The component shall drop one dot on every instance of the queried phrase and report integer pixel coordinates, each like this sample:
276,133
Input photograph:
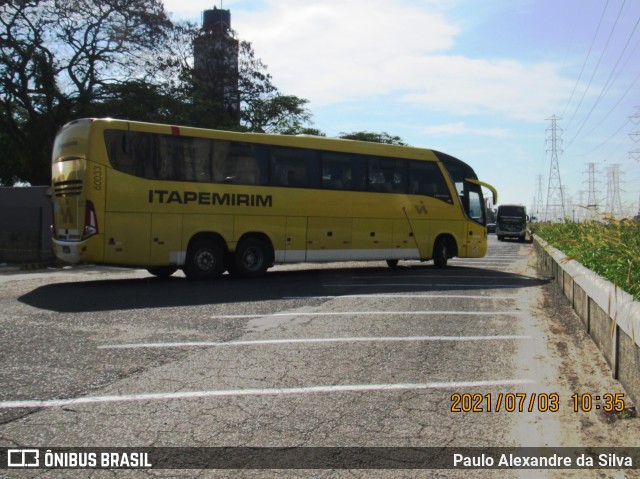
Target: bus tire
162,271
392,263
205,260
441,252
252,258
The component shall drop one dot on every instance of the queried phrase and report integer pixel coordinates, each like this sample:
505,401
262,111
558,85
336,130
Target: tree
66,59
383,137
277,113
58,58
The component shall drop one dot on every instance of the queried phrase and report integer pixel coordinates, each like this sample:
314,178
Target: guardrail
610,315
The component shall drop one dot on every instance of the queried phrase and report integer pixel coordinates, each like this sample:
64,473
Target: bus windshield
470,194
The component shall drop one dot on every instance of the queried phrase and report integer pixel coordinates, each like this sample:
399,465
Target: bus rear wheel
205,260
252,258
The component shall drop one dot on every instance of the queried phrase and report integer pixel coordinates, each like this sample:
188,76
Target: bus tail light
90,221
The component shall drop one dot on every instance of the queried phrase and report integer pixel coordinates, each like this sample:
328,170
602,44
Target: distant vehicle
491,227
511,222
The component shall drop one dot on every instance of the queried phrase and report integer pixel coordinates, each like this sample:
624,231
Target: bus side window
336,171
119,151
426,179
292,167
144,152
387,175
204,160
243,166
375,177
170,163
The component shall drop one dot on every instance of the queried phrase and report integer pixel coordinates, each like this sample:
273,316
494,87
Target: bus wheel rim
252,259
205,260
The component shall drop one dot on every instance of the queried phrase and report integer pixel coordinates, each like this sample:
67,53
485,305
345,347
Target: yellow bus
165,197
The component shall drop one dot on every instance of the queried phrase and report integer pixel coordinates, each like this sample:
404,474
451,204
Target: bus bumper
78,251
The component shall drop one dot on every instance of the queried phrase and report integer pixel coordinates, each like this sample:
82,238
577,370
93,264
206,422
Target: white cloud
338,51
354,50
463,86
460,128
181,10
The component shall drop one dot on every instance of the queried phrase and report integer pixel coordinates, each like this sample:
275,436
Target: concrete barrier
610,315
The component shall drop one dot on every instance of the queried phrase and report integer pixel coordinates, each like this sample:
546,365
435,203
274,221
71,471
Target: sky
479,80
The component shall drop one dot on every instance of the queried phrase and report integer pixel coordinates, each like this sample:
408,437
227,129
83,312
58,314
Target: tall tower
554,210
614,203
537,209
215,58
592,202
635,135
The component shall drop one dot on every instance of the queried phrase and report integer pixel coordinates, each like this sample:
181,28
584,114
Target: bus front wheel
205,260
252,258
441,253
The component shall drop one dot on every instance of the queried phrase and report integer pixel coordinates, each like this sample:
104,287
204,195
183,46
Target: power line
595,70
593,41
609,83
605,141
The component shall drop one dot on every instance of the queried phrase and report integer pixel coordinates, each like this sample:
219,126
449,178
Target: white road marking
371,313
465,276
421,285
263,342
382,295
346,388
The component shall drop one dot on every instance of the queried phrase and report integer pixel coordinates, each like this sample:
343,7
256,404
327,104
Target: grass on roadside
611,248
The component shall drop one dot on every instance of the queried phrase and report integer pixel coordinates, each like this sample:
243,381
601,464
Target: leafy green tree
383,137
277,113
58,58
66,59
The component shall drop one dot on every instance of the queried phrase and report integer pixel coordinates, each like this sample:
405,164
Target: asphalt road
314,355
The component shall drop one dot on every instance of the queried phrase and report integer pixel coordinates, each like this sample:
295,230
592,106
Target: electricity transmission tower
537,208
613,203
635,135
555,197
592,202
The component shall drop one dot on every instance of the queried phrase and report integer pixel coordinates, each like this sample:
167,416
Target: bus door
166,241
475,230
